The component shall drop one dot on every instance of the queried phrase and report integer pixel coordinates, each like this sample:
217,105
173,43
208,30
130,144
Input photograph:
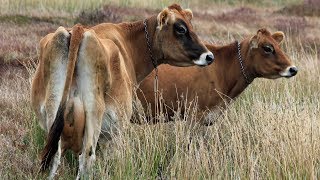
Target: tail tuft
52,140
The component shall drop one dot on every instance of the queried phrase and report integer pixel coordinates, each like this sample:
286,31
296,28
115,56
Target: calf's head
267,58
176,41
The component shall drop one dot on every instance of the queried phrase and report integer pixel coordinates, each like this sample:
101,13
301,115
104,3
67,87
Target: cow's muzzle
205,59
289,71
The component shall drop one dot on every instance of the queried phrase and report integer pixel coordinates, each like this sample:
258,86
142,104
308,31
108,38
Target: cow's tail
58,124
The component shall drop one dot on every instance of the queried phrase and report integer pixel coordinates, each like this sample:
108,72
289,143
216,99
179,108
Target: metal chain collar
155,63
241,64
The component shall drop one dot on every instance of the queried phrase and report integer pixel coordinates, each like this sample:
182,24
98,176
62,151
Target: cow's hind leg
57,54
91,86
56,162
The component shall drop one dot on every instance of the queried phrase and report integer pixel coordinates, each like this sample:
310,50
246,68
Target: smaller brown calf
235,67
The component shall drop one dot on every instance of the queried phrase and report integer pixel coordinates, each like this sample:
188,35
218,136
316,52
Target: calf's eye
181,29
268,49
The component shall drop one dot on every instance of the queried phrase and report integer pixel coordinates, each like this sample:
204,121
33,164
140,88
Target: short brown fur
97,93
216,84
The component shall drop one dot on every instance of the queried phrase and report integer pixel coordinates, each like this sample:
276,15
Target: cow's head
176,40
268,60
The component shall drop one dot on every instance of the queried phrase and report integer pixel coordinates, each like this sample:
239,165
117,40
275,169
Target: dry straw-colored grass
62,7
272,131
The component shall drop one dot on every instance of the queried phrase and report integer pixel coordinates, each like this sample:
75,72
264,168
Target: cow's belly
117,112
109,123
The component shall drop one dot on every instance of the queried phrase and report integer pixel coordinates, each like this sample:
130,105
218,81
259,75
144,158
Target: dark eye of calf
268,49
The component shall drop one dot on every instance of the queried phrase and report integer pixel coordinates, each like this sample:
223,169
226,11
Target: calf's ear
278,36
254,42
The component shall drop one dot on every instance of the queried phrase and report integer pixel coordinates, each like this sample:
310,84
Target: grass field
73,6
272,131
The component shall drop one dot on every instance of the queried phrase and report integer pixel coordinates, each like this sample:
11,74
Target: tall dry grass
271,131
62,7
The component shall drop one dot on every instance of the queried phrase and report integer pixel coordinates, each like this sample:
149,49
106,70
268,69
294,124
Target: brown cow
85,78
233,71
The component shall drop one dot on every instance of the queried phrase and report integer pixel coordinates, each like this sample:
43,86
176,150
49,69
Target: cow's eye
268,49
181,29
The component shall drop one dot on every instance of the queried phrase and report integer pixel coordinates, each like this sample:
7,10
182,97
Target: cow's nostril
293,70
209,57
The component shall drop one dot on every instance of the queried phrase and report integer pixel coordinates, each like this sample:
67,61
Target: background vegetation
271,131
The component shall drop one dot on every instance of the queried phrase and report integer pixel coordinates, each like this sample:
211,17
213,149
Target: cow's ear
188,14
278,36
254,42
163,18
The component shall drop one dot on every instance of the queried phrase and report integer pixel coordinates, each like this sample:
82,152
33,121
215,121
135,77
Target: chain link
241,64
155,63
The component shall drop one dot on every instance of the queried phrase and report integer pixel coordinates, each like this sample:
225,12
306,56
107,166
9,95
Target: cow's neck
228,68
141,60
